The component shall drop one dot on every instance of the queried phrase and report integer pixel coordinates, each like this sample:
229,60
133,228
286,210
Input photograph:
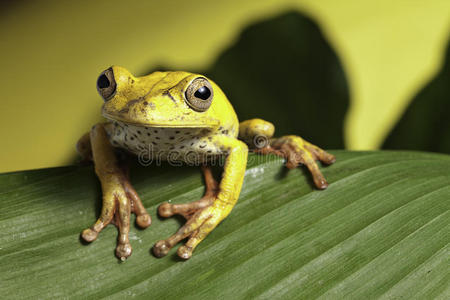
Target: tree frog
181,116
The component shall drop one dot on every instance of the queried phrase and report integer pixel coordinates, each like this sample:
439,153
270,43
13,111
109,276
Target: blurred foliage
284,71
58,48
425,125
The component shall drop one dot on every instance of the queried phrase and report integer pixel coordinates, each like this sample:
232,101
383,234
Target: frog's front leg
258,134
204,215
119,197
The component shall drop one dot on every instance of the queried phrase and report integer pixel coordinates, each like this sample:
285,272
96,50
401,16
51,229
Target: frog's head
163,99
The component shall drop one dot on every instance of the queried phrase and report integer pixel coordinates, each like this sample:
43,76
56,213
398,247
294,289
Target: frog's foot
118,204
298,151
201,218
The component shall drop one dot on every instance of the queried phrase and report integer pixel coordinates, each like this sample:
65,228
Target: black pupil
103,81
203,93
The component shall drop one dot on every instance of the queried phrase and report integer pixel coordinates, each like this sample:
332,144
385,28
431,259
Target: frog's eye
106,85
199,94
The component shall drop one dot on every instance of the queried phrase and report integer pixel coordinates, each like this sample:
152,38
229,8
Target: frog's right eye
106,85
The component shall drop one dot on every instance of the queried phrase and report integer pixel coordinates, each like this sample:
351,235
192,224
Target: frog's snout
106,84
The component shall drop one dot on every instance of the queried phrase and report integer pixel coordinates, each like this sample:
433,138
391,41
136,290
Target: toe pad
161,248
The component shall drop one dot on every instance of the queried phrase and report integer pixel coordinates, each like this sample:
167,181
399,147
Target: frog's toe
185,252
190,229
89,235
319,180
161,248
320,154
123,251
186,210
165,210
144,220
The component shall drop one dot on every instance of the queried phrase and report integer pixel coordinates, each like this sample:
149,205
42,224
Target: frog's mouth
159,124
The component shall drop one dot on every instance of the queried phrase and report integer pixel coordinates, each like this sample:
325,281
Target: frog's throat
161,124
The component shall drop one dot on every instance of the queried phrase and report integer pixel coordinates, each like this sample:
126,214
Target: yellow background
52,52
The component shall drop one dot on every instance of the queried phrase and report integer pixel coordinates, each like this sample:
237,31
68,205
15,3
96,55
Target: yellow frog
179,117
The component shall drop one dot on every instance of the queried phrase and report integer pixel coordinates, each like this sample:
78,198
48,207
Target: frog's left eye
199,94
106,85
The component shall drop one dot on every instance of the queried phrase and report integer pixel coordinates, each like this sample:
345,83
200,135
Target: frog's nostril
103,82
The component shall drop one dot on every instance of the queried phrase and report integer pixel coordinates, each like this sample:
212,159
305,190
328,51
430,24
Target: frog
181,117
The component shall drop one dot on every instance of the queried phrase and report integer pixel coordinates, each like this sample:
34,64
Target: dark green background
283,70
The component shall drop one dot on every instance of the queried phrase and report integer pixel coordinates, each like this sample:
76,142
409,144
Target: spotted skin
167,143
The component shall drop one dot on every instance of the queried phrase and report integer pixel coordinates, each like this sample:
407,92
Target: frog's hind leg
257,134
191,212
298,151
119,197
188,209
84,147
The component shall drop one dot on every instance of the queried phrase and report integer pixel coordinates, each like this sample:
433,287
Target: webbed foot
298,151
119,201
202,217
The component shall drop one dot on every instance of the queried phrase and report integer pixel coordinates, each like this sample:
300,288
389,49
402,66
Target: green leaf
382,228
